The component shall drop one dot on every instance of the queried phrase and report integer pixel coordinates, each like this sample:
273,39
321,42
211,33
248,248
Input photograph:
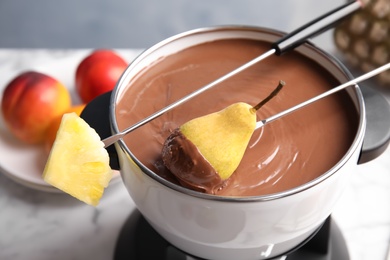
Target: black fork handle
315,27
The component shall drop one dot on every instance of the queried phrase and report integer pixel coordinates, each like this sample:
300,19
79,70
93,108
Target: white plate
21,162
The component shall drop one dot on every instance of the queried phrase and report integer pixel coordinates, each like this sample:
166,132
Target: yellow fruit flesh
51,131
78,163
222,137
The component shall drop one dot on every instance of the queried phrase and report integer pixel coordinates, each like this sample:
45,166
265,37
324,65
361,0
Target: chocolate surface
282,155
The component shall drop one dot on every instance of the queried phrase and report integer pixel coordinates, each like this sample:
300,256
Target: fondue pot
217,227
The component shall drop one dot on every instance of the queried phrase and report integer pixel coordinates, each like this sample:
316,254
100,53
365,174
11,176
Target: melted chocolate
282,155
184,160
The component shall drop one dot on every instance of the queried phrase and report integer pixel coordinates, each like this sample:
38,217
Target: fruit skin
55,124
78,163
30,101
364,38
98,73
223,137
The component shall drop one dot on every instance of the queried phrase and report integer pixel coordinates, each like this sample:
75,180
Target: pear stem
270,96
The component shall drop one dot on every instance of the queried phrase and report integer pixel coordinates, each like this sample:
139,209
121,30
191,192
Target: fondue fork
286,43
352,82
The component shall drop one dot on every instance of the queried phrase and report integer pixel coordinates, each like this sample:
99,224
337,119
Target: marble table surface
36,224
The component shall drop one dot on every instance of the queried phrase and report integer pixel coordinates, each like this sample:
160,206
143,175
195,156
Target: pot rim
122,83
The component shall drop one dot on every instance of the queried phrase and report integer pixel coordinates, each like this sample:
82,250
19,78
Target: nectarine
30,101
98,73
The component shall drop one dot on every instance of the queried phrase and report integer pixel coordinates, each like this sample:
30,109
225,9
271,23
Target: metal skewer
286,43
352,82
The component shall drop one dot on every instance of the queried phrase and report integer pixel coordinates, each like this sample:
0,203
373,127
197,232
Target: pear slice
222,137
204,152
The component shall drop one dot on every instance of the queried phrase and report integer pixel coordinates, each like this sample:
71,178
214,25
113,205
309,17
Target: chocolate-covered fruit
204,152
216,142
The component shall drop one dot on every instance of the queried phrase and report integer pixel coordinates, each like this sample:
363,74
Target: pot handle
377,136
376,139
97,114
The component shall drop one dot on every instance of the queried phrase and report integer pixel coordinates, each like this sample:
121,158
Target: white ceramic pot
215,227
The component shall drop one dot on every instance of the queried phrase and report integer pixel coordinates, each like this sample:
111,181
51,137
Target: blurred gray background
141,23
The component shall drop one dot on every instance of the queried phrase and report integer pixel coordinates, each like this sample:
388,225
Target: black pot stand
139,241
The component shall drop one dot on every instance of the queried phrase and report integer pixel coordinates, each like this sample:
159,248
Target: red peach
29,103
98,73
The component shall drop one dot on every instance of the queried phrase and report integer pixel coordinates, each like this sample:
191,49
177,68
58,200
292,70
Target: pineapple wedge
78,163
